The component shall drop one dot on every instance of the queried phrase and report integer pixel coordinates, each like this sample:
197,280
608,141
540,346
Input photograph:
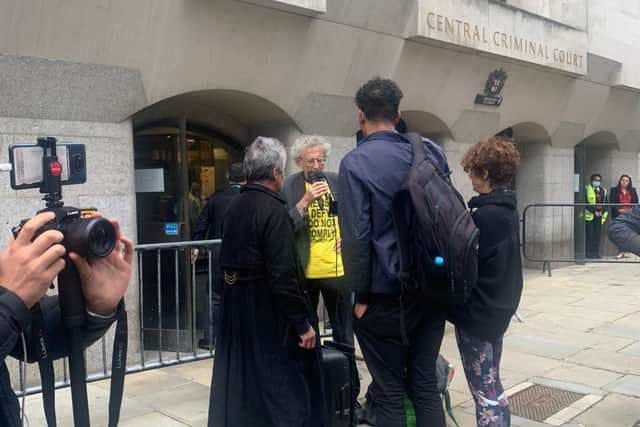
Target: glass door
170,162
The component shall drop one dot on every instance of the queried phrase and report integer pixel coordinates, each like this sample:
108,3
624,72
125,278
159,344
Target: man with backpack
398,328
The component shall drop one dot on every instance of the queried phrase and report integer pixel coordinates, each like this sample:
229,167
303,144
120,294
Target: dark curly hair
498,156
379,100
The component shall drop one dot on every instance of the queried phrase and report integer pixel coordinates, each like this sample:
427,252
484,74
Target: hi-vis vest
591,199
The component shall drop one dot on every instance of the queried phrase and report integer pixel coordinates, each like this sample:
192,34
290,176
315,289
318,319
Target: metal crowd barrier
171,348
556,233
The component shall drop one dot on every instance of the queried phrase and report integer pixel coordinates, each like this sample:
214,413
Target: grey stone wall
546,177
109,187
568,12
63,90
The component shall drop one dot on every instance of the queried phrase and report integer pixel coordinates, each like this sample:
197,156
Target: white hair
262,157
308,141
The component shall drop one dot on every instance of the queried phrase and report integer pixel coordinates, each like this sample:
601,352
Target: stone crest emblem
495,82
492,88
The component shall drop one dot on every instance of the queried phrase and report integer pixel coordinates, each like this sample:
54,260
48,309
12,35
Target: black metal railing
556,233
171,291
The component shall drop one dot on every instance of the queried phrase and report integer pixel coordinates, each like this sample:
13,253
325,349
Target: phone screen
27,164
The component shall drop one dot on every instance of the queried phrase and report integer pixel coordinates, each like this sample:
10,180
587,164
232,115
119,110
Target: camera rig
90,237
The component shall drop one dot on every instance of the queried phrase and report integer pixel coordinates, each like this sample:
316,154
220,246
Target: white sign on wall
150,180
501,30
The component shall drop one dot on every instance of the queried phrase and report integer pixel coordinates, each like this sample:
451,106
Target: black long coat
261,377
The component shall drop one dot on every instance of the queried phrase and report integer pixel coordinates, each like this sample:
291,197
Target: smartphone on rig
27,159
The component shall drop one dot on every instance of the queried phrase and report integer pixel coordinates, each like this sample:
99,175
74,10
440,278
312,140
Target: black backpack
437,238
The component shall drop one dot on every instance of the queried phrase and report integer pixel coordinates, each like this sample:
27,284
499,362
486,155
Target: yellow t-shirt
323,232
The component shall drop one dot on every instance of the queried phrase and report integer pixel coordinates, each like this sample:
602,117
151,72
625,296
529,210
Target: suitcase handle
347,349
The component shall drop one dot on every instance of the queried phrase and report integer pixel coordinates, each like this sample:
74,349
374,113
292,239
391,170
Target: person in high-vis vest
594,215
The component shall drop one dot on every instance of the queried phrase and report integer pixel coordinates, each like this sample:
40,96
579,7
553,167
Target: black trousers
337,298
211,315
593,231
402,364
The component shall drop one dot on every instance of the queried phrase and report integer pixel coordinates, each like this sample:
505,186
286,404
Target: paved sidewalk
581,332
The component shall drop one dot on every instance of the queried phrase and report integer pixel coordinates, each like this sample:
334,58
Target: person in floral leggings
482,321
481,363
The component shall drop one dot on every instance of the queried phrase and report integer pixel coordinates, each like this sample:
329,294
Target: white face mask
595,184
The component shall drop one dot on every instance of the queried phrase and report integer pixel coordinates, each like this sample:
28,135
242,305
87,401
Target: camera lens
89,237
101,239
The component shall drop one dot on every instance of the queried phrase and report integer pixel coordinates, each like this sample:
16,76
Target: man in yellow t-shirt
311,195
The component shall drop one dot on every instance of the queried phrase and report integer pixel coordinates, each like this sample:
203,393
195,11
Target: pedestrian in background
209,227
195,203
625,194
482,321
595,215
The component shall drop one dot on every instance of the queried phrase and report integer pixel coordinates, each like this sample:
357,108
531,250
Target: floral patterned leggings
481,362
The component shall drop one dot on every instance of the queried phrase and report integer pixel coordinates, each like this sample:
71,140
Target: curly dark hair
498,156
379,99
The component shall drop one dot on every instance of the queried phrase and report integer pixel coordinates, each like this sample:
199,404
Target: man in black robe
267,365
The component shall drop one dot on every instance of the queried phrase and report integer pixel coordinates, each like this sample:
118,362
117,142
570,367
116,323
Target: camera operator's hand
27,268
105,280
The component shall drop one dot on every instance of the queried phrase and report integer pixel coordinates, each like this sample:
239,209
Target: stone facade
93,71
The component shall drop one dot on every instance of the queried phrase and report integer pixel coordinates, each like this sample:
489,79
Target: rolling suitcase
338,372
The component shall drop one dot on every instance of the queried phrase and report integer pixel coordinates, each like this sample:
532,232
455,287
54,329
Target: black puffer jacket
624,231
496,296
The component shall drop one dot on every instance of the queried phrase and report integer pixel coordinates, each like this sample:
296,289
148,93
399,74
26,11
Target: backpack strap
419,154
399,214
45,365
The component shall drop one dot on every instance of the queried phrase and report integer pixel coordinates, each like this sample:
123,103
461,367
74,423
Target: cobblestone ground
581,332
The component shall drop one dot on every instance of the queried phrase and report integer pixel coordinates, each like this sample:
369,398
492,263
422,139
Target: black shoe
205,345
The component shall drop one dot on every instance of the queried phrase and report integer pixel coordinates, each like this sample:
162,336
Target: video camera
49,166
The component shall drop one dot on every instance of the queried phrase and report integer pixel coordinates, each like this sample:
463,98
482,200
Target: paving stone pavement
581,332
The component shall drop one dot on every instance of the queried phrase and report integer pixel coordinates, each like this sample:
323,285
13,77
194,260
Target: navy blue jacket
370,175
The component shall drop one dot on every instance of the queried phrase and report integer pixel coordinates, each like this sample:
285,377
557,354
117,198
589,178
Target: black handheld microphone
317,177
